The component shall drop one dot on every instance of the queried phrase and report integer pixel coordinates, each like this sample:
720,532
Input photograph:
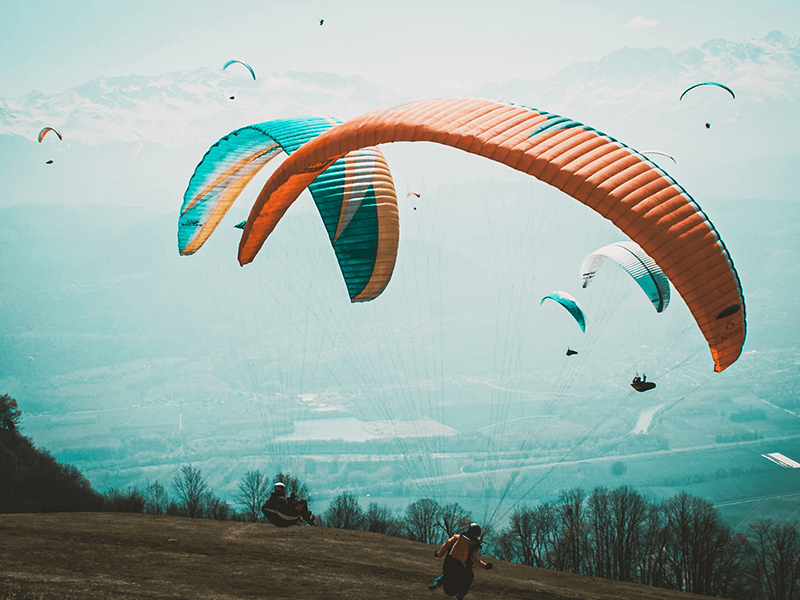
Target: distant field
121,556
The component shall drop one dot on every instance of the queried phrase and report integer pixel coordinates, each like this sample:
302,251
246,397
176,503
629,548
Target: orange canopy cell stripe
618,182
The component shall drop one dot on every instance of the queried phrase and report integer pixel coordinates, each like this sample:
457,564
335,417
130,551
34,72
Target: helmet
474,531
281,488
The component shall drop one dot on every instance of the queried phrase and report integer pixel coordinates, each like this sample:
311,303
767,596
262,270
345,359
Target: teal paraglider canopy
244,64
714,83
355,197
569,303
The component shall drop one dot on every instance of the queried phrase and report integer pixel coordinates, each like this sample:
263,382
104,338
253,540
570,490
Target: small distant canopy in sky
708,83
780,459
568,302
248,67
47,130
658,152
639,23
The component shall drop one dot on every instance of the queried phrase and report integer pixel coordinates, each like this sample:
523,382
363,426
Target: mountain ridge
181,107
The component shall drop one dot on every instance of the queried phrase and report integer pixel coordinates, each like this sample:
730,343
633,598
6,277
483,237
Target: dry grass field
118,556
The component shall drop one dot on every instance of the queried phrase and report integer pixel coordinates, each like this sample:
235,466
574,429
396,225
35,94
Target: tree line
680,543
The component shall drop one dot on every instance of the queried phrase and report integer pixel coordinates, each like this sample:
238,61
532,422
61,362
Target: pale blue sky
416,45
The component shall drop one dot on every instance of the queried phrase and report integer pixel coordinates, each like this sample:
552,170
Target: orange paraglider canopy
47,130
616,181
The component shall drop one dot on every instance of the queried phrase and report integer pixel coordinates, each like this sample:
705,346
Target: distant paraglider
571,305
43,133
714,83
640,384
711,83
248,67
47,130
321,21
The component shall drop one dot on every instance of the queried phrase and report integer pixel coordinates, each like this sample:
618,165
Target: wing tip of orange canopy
726,357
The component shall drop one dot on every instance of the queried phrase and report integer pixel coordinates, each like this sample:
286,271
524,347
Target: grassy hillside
114,556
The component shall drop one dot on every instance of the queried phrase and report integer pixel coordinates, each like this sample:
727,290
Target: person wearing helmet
289,508
277,499
461,556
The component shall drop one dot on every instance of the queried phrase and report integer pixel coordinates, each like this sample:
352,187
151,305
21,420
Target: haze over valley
129,360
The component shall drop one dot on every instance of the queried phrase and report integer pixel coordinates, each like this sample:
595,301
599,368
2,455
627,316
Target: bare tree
192,490
572,547
421,519
217,509
699,539
453,518
129,500
379,519
777,549
736,575
504,546
344,512
253,493
628,516
157,499
654,557
531,536
598,507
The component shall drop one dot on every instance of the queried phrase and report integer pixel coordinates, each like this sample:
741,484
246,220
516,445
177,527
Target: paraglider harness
285,513
279,519
640,384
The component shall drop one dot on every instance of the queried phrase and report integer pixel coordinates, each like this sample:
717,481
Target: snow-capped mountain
178,108
633,94
765,69
749,147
